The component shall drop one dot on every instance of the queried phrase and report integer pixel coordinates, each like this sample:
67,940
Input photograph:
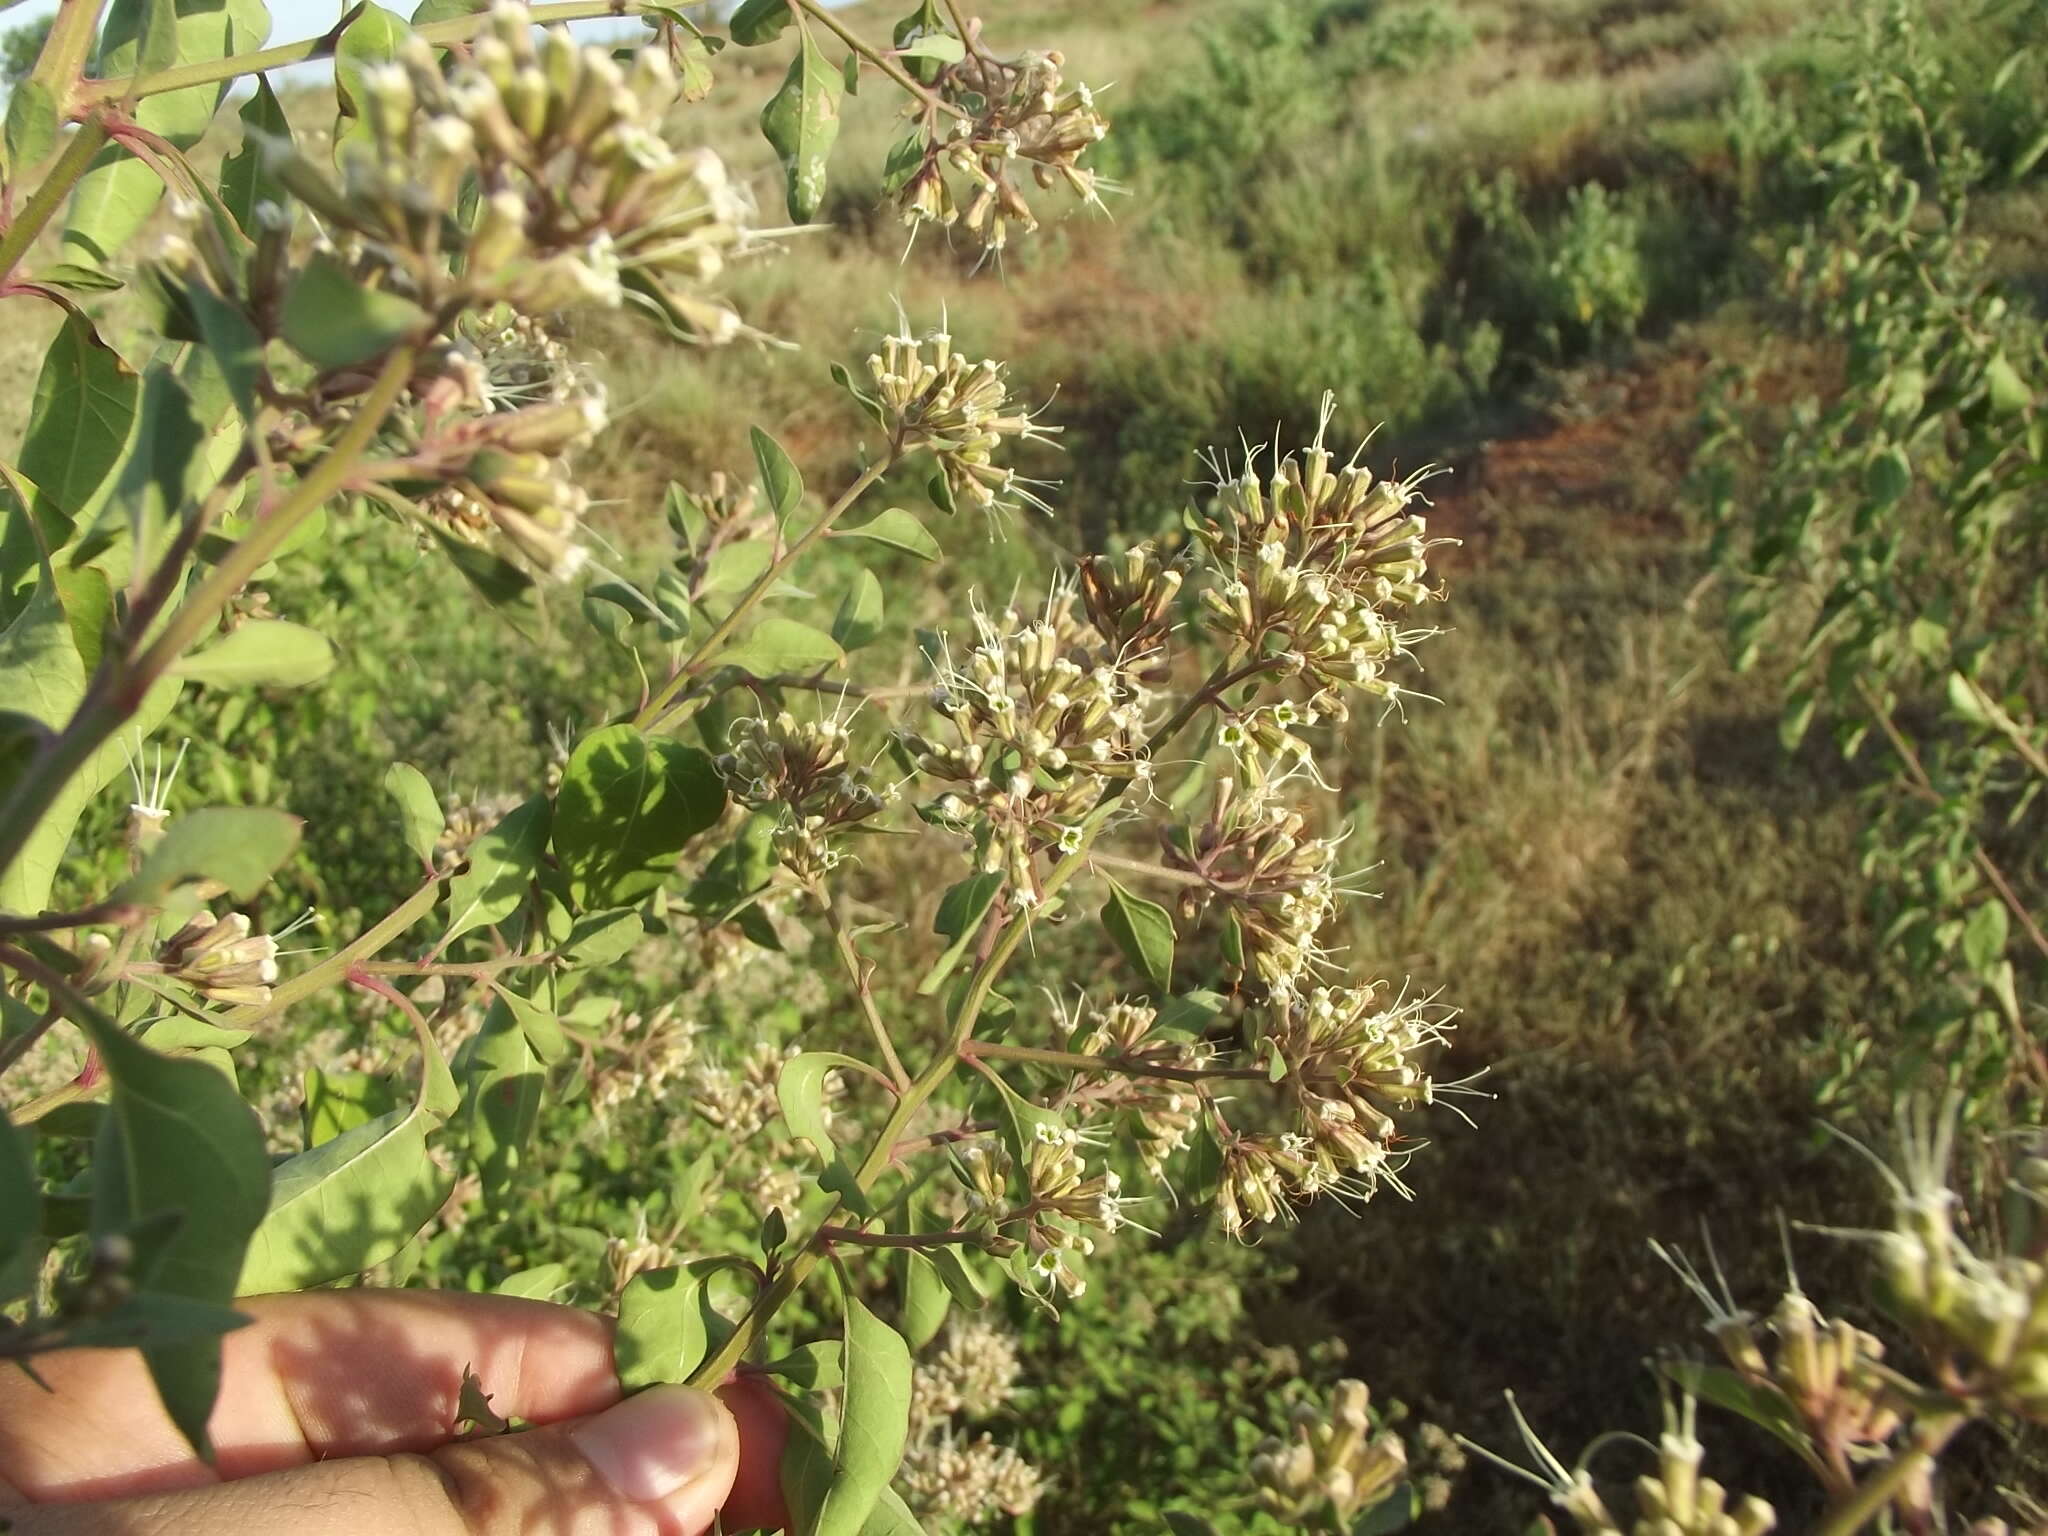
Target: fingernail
653,1443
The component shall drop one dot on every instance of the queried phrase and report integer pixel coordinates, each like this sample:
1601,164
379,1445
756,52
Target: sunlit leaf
800,1092
780,480
355,1200
420,817
801,122
859,620
501,863
926,1299
778,647
628,804
261,653
899,530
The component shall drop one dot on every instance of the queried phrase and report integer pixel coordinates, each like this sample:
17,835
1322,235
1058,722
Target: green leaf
906,159
777,647
629,803
79,279
504,1079
800,1092
1795,718
353,1201
430,11
800,122
150,492
759,21
874,1427
341,1101
859,620
262,653
959,917
182,1032
943,46
84,406
1984,936
237,846
334,321
236,349
420,817
2004,388
661,1335
154,1323
780,480
1181,1523
899,530
1964,701
926,1299
1191,1013
1764,1407
501,863
180,1169
373,38
1395,1512
814,1367
497,580
1143,930
1887,477
599,938
245,176
543,1282
157,46
31,131
542,1029
667,1323
736,874
736,567
958,1275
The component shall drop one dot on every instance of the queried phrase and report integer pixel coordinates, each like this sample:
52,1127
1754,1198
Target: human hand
337,1414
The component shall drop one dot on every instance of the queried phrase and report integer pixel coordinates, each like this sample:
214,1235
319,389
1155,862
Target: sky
290,22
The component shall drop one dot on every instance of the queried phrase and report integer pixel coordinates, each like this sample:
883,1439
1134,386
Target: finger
756,1502
335,1374
662,1463
315,1376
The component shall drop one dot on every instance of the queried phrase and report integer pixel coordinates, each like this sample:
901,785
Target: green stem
61,64
337,965
1879,1489
706,654
856,972
860,1239
1144,869
1075,1061
876,57
50,195
457,29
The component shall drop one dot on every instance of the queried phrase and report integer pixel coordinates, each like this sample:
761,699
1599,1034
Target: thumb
658,1464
